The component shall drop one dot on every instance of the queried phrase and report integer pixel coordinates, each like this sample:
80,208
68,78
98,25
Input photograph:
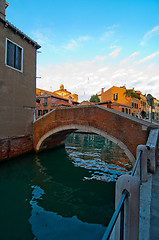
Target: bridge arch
88,129
124,130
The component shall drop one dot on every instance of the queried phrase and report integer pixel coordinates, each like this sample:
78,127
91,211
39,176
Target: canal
65,193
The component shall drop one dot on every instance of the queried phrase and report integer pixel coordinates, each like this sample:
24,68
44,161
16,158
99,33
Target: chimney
70,100
102,91
3,6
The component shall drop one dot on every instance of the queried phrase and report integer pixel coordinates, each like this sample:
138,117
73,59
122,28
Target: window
14,55
39,112
129,111
136,105
126,110
115,97
132,104
45,101
123,110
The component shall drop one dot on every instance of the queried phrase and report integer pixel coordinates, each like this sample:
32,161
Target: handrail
115,216
136,163
120,207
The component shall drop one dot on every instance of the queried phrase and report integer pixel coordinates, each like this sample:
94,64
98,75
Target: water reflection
67,194
48,196
49,225
105,160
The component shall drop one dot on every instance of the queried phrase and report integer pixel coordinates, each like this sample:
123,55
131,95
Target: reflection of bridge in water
126,131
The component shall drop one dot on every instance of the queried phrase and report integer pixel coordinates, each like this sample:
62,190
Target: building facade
125,100
46,101
17,88
155,110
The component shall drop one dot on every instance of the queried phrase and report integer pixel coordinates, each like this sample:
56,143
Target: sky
92,44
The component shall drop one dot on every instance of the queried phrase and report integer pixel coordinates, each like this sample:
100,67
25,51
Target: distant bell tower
61,87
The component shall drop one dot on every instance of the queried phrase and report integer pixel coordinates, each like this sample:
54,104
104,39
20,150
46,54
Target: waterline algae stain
67,193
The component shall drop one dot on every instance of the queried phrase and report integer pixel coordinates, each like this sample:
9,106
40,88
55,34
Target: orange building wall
122,99
117,95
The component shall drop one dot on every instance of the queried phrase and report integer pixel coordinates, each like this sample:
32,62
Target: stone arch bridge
126,131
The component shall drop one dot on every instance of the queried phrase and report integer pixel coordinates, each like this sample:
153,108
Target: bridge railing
120,206
126,216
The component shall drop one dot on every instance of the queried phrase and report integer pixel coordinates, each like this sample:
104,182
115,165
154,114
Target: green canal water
65,193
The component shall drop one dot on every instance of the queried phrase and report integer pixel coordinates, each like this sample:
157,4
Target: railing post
152,159
131,207
141,171
152,145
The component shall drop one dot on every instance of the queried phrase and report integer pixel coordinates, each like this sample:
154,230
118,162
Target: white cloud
88,77
131,57
110,32
147,58
114,46
107,35
148,35
155,78
43,36
99,58
103,69
71,45
75,42
113,26
115,53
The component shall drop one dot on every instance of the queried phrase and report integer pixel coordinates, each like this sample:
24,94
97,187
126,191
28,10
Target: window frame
6,48
115,96
45,101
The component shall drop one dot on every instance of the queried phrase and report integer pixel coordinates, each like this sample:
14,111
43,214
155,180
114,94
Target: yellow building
125,100
66,94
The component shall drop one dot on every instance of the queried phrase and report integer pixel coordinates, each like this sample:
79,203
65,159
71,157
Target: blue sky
87,45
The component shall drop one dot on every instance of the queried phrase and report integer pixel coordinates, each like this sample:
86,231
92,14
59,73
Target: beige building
17,86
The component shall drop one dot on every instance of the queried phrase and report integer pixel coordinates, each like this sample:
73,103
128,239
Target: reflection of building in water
104,159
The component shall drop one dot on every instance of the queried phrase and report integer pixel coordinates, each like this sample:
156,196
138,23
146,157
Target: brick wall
14,146
127,129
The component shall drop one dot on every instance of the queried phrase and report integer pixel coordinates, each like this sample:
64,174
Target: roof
51,94
21,34
61,103
85,102
106,102
119,105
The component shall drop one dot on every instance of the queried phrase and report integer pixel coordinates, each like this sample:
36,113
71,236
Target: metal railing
135,166
120,207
